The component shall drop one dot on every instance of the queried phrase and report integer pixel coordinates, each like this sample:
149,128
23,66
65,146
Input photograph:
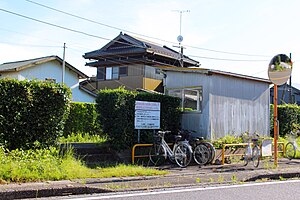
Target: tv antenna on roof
179,37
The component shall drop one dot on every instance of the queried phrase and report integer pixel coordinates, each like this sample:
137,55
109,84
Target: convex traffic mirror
280,69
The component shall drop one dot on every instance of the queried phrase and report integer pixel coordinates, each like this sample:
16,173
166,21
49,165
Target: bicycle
160,151
252,152
203,151
291,147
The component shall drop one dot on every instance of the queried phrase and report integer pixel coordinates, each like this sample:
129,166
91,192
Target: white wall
53,70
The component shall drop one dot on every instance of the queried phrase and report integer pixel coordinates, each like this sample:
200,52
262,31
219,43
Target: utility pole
180,38
291,92
63,65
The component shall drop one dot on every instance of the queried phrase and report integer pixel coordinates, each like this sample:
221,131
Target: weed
198,180
220,179
115,186
267,165
50,164
167,184
282,178
263,180
234,178
83,138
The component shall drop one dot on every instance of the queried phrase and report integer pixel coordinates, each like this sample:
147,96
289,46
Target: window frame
102,71
126,71
182,95
111,73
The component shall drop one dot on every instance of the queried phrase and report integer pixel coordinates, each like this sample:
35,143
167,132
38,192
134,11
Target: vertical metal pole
181,55
180,21
63,65
291,93
275,127
139,136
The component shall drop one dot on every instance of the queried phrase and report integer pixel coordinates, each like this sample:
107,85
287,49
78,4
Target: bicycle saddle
196,139
178,137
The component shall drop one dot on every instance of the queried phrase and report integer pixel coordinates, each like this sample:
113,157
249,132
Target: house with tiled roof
132,62
214,103
49,68
286,94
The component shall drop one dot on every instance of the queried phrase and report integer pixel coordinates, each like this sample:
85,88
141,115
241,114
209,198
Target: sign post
280,69
276,128
147,116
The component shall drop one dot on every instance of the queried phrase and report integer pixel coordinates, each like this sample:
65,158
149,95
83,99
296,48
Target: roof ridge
44,57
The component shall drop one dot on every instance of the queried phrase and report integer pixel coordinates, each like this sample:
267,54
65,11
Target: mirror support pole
276,131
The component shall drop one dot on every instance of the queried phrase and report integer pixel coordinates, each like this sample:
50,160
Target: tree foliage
289,118
82,119
116,115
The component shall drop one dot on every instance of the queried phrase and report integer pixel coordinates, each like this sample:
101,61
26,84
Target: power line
62,27
259,72
58,26
95,22
116,28
227,52
34,36
28,35
99,37
30,45
226,59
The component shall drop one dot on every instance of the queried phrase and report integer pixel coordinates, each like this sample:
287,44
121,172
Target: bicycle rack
133,156
243,144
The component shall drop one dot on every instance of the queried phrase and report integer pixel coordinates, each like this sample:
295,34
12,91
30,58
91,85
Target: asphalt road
259,191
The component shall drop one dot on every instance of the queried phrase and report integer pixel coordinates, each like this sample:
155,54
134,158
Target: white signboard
147,115
266,148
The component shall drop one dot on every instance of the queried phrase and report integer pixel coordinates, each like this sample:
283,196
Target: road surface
259,191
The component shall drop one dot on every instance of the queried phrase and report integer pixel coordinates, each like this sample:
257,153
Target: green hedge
31,111
82,119
288,116
116,115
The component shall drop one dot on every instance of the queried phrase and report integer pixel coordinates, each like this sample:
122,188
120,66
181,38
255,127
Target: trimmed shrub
116,115
82,119
288,116
32,111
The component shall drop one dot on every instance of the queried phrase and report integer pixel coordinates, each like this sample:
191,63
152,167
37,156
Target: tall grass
49,164
83,138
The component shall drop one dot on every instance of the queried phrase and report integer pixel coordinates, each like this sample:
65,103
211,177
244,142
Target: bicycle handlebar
161,133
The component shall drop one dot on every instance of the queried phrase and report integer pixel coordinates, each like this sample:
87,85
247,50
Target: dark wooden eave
127,49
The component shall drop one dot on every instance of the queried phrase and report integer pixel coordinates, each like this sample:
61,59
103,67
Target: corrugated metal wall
195,121
230,105
238,105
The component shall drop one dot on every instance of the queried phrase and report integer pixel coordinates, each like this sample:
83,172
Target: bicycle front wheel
255,156
201,154
183,155
290,150
157,154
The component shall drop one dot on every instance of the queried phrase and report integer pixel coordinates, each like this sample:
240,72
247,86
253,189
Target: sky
228,35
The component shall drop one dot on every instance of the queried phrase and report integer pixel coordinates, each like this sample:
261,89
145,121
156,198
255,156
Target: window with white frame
191,98
111,73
